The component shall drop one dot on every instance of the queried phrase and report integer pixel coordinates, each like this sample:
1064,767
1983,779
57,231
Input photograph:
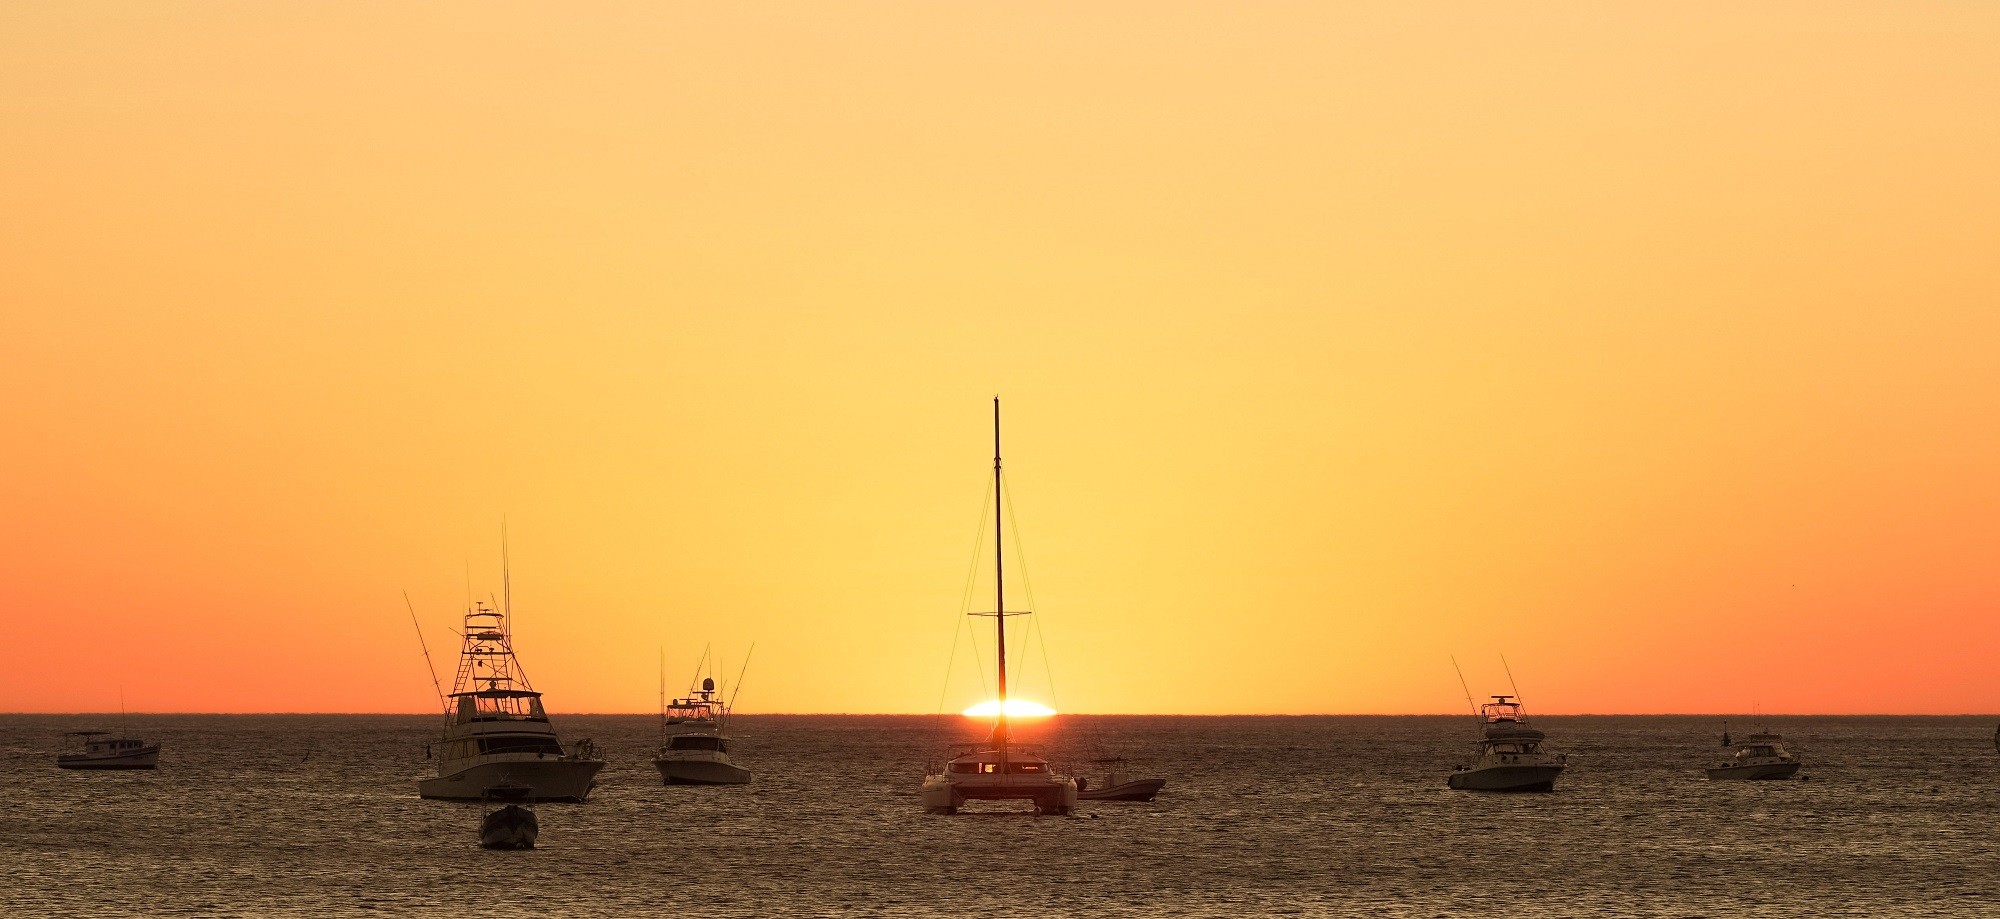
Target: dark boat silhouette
1113,789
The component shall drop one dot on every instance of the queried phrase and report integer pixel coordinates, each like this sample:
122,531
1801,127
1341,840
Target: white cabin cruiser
103,750
496,734
1508,755
999,769
694,750
1758,756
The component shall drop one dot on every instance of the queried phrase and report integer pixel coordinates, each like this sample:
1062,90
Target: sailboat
497,738
999,769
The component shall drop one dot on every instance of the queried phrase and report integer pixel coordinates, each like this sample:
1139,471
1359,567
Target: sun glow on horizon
1016,708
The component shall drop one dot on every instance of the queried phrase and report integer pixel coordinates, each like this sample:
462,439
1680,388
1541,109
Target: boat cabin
1757,746
998,762
708,743
100,742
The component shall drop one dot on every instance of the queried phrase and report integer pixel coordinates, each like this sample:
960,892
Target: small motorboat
1117,787
694,739
514,825
1508,755
100,750
1758,756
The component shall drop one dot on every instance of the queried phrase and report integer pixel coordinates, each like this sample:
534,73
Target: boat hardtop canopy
496,693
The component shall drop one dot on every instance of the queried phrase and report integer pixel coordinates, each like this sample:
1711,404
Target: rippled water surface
296,815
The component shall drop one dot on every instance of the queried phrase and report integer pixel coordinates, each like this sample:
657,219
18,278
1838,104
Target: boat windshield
496,705
1502,708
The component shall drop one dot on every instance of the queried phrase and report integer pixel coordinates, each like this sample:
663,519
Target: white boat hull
1506,778
548,779
700,772
146,758
1758,771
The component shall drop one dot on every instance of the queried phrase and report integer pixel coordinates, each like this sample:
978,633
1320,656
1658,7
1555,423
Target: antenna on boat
506,582
738,687
421,643
121,710
699,663
1462,685
1510,678
663,689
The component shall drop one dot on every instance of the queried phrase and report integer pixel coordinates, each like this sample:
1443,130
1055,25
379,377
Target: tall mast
999,583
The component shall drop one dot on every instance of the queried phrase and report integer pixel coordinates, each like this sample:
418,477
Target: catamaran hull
701,772
1506,778
1760,771
148,758
943,797
562,780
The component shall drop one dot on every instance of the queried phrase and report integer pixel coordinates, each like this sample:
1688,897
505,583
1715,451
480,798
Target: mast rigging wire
959,623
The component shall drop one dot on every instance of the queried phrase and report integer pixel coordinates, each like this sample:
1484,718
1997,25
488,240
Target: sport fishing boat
103,750
1758,756
1508,755
694,747
999,769
1117,786
496,735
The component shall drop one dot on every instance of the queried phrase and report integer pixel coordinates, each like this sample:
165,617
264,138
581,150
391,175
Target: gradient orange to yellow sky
1654,346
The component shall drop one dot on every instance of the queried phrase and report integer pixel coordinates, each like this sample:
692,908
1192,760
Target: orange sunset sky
1653,345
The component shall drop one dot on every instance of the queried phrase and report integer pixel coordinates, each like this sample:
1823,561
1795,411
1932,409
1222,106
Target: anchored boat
1508,755
999,769
1758,756
694,746
103,750
496,733
1117,786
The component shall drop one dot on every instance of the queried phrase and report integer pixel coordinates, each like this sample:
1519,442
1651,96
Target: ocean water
1335,816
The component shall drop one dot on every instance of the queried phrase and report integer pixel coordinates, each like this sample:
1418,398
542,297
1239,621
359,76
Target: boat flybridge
1508,755
1758,756
496,735
104,750
998,769
694,750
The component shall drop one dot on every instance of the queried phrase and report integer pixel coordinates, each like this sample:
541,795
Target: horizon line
1750,715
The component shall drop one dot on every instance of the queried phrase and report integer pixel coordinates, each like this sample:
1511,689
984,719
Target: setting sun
1016,708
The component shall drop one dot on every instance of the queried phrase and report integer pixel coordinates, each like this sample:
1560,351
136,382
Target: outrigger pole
1462,685
1510,679
421,643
